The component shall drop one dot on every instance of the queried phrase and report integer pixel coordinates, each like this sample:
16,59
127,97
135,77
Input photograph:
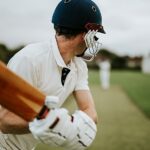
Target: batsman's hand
55,128
86,133
75,132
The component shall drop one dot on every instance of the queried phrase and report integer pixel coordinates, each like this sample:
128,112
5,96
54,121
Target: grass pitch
135,84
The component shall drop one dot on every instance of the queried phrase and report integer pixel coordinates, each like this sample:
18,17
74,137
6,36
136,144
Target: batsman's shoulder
36,49
80,63
33,52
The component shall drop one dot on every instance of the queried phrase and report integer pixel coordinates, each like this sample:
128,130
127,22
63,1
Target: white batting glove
86,132
56,128
52,101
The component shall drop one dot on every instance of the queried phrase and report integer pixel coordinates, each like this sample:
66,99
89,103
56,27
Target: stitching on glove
88,136
58,133
78,136
82,143
54,123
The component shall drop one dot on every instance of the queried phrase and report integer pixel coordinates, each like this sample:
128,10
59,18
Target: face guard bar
92,41
92,44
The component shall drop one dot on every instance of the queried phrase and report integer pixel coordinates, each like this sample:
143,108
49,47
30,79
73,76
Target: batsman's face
80,44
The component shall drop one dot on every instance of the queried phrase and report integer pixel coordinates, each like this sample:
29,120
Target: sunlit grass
136,85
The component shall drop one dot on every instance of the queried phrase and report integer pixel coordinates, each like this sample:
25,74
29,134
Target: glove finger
51,101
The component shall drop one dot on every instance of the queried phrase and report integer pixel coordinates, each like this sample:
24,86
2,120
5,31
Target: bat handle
50,102
43,113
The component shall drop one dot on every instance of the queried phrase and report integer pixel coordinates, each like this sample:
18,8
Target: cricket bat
20,97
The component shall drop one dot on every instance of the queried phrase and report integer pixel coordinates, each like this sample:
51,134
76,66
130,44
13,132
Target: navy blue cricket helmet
79,15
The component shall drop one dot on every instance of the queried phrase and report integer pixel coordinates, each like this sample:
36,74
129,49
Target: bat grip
43,113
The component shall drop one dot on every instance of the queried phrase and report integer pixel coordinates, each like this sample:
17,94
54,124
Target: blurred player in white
104,73
56,68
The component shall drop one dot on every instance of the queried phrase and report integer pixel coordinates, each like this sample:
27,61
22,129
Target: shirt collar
56,52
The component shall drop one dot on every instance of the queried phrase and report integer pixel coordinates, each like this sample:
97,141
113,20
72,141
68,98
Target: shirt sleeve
82,77
23,67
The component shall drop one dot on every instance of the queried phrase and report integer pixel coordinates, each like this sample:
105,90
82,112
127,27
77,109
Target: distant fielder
56,67
104,73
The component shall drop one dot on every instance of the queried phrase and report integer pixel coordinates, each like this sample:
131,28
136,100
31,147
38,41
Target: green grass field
122,125
135,84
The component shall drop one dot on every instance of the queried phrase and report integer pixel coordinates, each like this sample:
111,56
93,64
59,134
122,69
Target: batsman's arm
16,95
85,103
11,123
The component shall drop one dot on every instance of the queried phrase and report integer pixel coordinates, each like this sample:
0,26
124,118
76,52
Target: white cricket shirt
41,64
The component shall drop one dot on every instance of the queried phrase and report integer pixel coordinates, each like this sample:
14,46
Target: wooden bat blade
18,96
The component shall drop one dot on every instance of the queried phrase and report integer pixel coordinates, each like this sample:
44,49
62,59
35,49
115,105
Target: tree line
117,62
6,53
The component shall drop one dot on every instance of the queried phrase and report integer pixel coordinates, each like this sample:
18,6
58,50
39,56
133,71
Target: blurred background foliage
117,62
6,53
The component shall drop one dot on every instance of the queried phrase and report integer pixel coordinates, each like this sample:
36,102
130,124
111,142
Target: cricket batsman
57,68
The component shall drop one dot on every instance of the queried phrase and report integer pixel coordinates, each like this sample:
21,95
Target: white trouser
17,142
104,76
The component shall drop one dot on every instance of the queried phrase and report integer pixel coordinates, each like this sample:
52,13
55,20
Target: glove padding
56,128
86,132
75,132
